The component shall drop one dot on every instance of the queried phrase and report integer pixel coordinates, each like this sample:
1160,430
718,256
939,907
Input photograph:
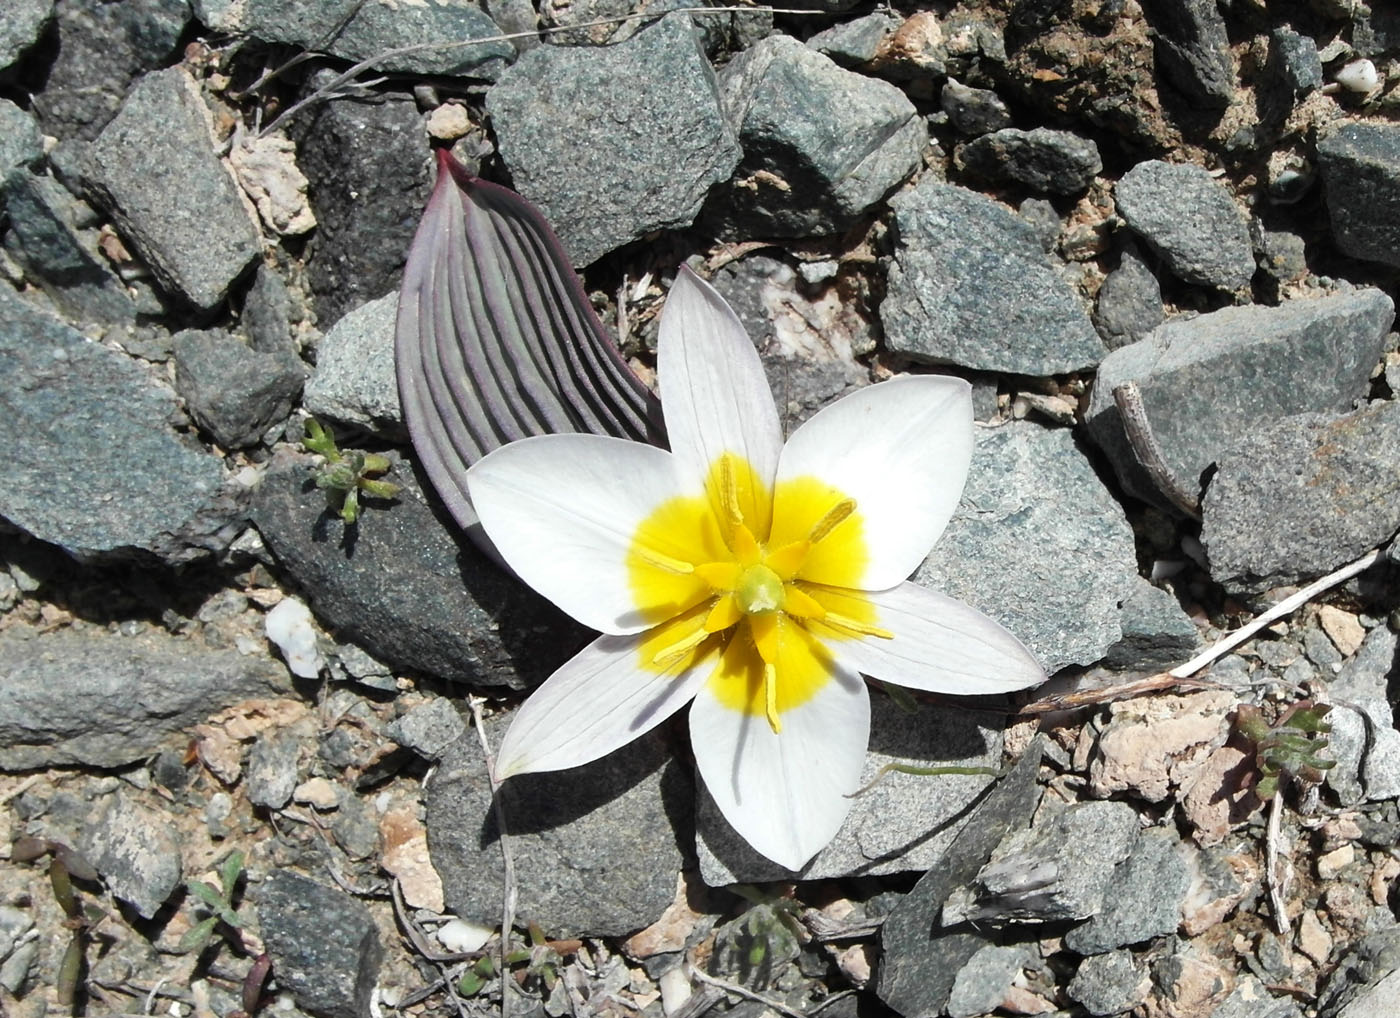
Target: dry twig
508,889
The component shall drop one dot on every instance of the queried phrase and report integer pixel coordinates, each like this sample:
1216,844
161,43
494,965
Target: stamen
852,626
679,649
745,545
729,492
770,696
664,562
724,614
834,517
801,605
788,559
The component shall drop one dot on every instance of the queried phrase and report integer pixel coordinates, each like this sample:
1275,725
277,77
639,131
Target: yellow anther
770,696
670,655
729,492
850,625
665,562
834,517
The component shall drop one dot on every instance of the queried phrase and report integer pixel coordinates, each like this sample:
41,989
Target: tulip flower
758,579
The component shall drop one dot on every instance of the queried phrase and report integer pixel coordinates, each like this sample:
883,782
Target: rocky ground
1161,238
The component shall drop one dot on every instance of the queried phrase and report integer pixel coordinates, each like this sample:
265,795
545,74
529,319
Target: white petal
563,510
596,702
901,449
785,793
940,645
714,394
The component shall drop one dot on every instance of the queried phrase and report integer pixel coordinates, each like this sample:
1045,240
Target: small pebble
317,793
1331,864
1359,76
449,122
1343,628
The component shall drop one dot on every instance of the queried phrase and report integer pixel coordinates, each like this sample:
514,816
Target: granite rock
21,144
1364,983
1110,983
429,729
603,182
155,170
324,944
906,822
271,769
1360,168
136,850
1144,896
1032,500
69,400
971,286
1364,741
99,699
1189,219
1193,50
21,23
1157,632
1249,999
1205,380
821,145
1296,498
1293,60
234,392
1129,302
354,382
973,111
579,870
982,984
1044,160
406,585
855,42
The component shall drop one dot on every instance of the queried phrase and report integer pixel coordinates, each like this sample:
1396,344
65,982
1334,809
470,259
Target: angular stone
373,33
324,944
920,958
1360,167
905,822
1364,741
856,41
21,144
95,698
982,984
1296,498
1043,159
21,21
1190,220
1129,303
354,381
648,165
1032,498
71,401
234,392
271,770
429,729
406,585
154,168
1364,983
1205,380
1193,50
1294,61
973,110
1143,900
1156,630
971,286
1249,999
1110,984
1152,745
821,145
596,848
136,851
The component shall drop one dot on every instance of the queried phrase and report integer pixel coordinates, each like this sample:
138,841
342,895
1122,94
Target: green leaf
63,889
350,508
198,935
471,983
379,489
207,894
319,440
229,873
70,969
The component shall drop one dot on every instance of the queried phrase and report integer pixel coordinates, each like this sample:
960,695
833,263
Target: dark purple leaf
496,339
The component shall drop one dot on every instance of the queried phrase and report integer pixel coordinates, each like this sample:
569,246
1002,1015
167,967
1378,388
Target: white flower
756,578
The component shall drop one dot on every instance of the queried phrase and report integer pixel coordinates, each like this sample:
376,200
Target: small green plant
83,919
541,963
1287,750
217,903
764,937
344,475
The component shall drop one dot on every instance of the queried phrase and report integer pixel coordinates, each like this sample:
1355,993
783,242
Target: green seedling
766,934
344,475
541,961
217,903
1288,750
82,919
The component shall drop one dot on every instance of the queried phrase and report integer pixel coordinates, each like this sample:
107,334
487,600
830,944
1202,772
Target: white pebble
1359,76
460,936
289,626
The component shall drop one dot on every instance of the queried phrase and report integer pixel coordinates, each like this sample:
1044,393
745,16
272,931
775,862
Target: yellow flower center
760,578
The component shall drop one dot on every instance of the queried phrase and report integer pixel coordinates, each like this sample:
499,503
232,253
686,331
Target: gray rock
905,822
971,286
1249,999
856,41
1033,499
1374,32
1156,630
367,167
1062,868
17,952
1320,649
1364,741
372,33
68,400
973,110
21,22
232,391
324,944
821,145
1129,303
154,168
45,239
1282,255
1193,50
136,850
429,729
1043,218
1298,497
1143,899
982,984
21,144
1044,160
919,957
101,47
271,770
407,586
1364,983
1205,380
1189,219
605,181
267,311
354,381
1360,167
95,698
1293,60
580,871
1109,984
